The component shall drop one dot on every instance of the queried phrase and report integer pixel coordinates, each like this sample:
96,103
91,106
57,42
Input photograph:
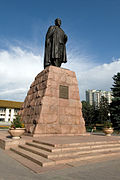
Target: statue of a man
55,50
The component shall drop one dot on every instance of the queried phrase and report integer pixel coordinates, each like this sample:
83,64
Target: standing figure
55,50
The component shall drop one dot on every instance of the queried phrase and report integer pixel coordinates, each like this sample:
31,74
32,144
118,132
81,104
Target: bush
17,123
107,124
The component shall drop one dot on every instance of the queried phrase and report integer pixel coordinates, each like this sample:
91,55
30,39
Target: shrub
17,123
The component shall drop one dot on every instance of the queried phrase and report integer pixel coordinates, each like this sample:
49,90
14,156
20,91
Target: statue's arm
50,32
65,38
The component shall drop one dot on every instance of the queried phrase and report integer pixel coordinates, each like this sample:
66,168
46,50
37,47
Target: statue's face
58,22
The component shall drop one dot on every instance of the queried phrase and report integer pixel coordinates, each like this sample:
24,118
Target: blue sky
93,31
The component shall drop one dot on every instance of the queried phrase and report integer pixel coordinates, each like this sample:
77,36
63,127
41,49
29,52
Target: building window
2,110
2,120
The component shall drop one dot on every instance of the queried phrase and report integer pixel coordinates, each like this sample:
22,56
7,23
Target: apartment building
93,96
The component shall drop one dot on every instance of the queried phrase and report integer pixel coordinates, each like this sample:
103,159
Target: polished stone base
52,105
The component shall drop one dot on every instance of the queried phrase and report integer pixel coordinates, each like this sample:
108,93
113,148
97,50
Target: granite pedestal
52,105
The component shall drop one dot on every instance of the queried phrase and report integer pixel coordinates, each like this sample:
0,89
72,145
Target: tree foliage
103,110
115,105
95,115
88,113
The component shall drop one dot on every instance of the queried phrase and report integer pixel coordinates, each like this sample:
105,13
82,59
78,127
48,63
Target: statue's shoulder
51,28
50,31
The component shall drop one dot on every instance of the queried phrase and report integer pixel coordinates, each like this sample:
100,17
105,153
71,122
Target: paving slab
103,169
61,141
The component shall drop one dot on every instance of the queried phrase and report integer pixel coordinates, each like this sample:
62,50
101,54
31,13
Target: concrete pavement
10,169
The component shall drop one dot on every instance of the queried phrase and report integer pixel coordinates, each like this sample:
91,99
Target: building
8,110
93,96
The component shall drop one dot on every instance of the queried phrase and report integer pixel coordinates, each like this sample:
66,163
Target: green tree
115,105
88,113
103,110
96,115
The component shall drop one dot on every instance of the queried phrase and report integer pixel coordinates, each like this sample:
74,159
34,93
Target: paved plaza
97,169
10,169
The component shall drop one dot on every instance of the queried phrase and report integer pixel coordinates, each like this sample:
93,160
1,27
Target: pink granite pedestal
52,105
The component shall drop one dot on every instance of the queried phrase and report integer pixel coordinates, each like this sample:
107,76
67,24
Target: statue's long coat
55,45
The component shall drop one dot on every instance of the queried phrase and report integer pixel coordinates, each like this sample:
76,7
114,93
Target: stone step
89,147
82,152
50,155
41,146
34,157
45,143
35,150
71,148
77,144
62,160
70,159
36,168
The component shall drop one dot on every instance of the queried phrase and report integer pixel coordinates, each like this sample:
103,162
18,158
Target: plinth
52,105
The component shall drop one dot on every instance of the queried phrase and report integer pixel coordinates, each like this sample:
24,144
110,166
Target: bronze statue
55,50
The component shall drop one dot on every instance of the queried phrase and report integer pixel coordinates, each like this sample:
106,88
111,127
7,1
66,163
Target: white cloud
19,67
98,77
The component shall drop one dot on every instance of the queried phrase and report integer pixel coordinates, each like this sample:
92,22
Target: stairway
49,154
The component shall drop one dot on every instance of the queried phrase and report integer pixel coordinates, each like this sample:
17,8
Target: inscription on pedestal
63,92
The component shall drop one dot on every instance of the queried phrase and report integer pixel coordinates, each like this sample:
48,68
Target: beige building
8,110
93,96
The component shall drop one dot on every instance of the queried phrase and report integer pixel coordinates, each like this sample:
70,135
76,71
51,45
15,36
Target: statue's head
58,22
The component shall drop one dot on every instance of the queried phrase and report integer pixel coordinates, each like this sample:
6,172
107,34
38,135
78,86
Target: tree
88,113
95,115
103,110
115,105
